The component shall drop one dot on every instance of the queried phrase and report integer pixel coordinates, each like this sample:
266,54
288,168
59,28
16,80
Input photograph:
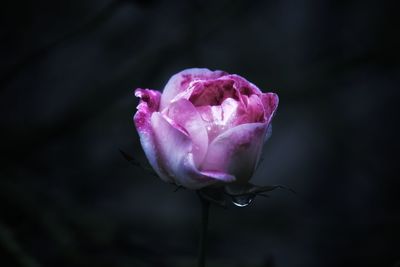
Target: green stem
205,207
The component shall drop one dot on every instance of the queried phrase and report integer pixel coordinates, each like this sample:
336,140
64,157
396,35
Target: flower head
207,127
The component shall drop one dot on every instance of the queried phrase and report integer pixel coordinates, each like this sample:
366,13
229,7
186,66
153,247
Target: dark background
68,71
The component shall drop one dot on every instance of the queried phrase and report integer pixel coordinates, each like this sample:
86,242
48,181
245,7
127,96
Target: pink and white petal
149,102
150,149
220,176
174,151
180,82
236,151
231,111
190,177
172,144
218,119
270,102
183,113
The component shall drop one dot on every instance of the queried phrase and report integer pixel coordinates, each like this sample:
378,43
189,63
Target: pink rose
206,127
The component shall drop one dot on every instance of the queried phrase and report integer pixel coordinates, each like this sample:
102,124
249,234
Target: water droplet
242,200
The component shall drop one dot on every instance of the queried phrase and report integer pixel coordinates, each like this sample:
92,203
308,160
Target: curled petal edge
149,103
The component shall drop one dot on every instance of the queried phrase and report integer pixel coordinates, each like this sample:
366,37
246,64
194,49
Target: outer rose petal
237,151
270,102
200,179
180,82
149,103
183,113
174,150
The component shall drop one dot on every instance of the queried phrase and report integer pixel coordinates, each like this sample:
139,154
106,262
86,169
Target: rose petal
180,82
244,86
254,109
174,150
149,102
199,179
213,92
220,118
183,113
172,144
236,151
270,102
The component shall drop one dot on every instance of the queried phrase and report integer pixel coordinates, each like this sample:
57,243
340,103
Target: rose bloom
207,127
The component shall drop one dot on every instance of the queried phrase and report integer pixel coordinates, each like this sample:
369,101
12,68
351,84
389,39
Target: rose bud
207,127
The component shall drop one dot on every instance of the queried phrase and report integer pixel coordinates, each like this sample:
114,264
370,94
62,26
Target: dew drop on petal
242,201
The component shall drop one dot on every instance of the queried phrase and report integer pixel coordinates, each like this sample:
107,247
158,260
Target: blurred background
67,74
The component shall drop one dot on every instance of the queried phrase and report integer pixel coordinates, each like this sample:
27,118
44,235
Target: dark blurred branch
136,163
9,244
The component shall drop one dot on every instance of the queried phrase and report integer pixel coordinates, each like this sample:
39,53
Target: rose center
213,93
